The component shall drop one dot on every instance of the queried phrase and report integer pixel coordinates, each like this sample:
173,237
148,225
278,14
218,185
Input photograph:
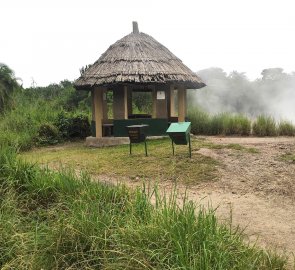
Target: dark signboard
137,134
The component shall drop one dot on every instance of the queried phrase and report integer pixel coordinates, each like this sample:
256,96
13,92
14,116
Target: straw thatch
138,58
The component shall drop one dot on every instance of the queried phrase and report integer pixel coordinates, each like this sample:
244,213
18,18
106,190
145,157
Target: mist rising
272,94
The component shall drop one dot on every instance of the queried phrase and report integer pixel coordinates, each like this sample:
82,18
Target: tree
8,85
273,74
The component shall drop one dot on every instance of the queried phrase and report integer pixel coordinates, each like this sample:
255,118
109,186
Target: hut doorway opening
142,106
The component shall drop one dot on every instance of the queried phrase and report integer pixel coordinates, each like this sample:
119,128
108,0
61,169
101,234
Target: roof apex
135,28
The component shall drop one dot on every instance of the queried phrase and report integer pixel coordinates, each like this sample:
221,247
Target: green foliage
142,102
61,95
286,128
20,126
8,85
73,125
47,134
56,220
265,126
32,121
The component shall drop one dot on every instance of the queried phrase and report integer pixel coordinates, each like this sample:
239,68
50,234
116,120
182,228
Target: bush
73,125
265,126
47,134
286,128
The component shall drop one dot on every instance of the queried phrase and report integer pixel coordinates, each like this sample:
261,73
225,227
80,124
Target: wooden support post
154,103
172,101
181,104
161,101
120,103
125,102
129,101
98,108
92,105
105,105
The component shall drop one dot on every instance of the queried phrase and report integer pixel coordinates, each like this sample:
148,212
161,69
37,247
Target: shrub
286,128
73,125
265,126
47,134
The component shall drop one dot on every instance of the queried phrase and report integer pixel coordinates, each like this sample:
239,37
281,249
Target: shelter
136,63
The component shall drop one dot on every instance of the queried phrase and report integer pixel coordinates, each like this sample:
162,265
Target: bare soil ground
259,188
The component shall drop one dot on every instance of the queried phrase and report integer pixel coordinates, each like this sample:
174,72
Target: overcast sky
50,40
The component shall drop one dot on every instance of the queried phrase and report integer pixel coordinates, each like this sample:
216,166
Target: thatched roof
138,58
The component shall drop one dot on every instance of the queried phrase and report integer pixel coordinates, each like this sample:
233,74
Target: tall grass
220,124
57,220
20,125
286,128
265,126
25,125
204,123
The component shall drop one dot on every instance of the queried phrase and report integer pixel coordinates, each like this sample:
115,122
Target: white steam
273,94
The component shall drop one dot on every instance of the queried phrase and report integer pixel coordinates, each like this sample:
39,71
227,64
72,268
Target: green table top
179,127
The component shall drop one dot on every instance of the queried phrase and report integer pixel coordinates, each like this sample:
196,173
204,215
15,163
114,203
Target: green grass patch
290,157
56,220
159,165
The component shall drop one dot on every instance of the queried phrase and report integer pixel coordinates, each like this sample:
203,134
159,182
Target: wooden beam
98,109
181,104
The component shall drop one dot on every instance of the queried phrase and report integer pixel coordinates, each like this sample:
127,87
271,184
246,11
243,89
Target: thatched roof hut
138,58
137,61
